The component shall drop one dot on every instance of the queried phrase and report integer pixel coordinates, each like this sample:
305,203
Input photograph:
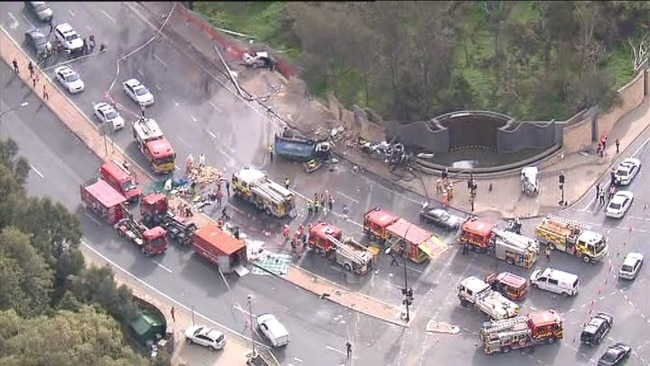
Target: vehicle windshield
609,356
72,77
444,215
39,39
615,205
159,242
110,115
141,91
169,159
627,268
71,37
623,173
599,247
129,185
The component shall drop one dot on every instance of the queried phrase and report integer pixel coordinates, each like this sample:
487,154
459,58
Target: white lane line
37,172
175,103
161,266
192,118
71,13
211,134
183,141
160,60
93,219
229,148
214,106
346,196
167,297
14,22
27,20
108,16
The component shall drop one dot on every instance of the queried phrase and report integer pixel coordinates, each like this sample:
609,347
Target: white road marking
214,106
37,172
183,141
346,196
71,13
211,134
175,103
160,60
93,219
14,22
108,16
161,266
157,87
167,297
192,118
28,21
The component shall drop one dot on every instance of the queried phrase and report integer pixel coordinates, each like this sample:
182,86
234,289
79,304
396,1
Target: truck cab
154,241
120,178
320,237
509,285
477,233
154,146
376,223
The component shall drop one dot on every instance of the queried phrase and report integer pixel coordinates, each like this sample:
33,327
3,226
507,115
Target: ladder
514,239
347,251
268,192
568,222
500,325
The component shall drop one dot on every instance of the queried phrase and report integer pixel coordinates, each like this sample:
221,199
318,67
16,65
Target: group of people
299,237
324,201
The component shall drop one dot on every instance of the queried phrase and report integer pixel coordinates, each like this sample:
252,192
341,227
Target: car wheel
506,349
212,348
189,341
510,261
534,285
565,294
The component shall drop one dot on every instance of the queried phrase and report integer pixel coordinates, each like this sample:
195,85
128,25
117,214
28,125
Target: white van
273,330
554,280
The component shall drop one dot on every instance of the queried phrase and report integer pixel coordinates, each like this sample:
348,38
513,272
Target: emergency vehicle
476,293
485,237
571,237
154,146
150,241
104,201
352,256
255,187
539,327
509,285
408,239
120,178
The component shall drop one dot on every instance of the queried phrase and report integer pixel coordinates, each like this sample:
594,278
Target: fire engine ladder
512,238
346,251
570,223
268,192
504,324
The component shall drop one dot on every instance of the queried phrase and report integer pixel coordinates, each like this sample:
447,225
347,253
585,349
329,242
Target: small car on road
440,217
40,9
597,328
619,204
627,170
206,337
69,79
69,38
138,92
37,42
105,113
615,355
631,266
273,330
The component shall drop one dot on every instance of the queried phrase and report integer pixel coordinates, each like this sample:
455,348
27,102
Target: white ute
477,293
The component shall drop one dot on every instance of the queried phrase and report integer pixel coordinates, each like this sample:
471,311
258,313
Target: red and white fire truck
539,327
329,240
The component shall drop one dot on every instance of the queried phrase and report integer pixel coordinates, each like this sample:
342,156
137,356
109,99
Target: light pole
562,181
406,291
21,105
249,301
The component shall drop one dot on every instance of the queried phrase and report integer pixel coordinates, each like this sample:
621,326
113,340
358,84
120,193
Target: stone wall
577,135
631,97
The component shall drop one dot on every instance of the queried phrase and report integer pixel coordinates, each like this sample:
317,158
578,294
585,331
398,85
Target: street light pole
249,301
21,105
406,291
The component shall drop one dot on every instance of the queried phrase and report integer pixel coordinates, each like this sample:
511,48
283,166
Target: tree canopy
53,310
413,60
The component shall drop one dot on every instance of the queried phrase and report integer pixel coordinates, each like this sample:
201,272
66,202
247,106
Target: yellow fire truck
571,237
254,186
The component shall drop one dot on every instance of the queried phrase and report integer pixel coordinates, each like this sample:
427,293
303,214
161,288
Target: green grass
620,64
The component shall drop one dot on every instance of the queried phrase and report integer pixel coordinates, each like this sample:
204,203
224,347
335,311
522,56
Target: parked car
627,170
615,355
619,204
70,79
273,330
37,42
440,217
105,113
206,337
68,37
556,281
40,9
597,328
631,266
138,92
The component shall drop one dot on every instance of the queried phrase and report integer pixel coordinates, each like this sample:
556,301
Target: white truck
476,293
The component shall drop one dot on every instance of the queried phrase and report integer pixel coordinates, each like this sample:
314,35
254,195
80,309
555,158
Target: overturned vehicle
530,180
290,145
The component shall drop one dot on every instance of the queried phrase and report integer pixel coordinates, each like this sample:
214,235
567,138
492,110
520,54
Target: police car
138,92
67,36
105,113
69,79
627,170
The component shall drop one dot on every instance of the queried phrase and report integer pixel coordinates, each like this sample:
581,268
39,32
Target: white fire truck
571,237
515,249
539,327
345,251
474,292
255,187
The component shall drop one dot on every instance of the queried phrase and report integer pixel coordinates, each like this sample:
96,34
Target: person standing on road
271,152
602,196
393,261
330,202
597,190
15,64
143,110
201,161
465,248
618,145
548,253
348,349
46,96
172,313
30,67
228,187
287,183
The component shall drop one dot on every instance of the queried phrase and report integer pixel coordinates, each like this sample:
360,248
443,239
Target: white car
138,92
105,113
631,266
273,330
70,79
68,38
206,337
619,204
627,170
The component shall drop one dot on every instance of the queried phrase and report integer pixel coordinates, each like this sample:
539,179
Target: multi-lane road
199,115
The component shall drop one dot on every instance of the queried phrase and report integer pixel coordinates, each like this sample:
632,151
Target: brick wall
631,97
577,135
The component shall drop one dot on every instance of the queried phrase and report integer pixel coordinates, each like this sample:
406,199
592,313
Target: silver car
69,79
206,337
619,204
105,113
138,92
631,266
627,170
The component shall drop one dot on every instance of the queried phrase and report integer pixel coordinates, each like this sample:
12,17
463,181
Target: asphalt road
199,115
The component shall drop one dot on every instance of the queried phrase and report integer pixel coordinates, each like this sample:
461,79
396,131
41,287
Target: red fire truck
375,223
539,327
104,201
154,210
219,247
120,178
348,253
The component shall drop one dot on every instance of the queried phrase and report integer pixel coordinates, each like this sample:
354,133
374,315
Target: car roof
65,28
66,70
631,161
35,31
632,258
104,106
133,82
621,196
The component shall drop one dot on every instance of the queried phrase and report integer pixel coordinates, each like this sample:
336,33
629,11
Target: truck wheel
551,340
551,246
510,261
347,267
586,259
506,349
268,211
464,303
565,294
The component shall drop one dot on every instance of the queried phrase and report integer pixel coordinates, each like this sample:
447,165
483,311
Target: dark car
597,328
40,9
440,217
38,42
615,355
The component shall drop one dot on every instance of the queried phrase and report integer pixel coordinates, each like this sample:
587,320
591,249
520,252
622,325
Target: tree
97,285
25,278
